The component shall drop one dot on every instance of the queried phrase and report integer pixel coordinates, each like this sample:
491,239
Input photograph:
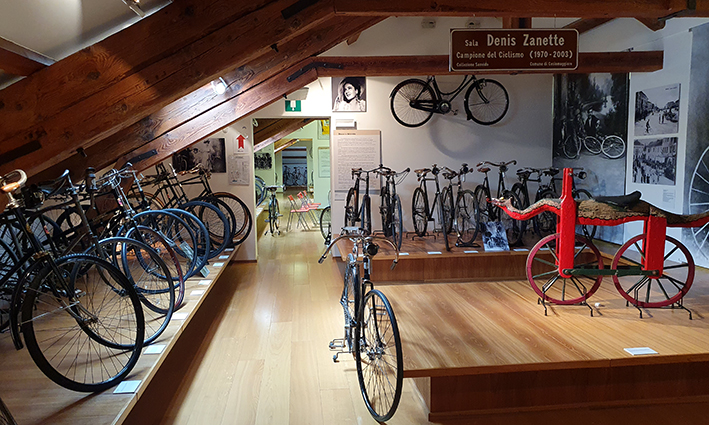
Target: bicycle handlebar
501,164
356,238
11,187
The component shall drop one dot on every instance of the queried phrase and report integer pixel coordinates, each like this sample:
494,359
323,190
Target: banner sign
514,50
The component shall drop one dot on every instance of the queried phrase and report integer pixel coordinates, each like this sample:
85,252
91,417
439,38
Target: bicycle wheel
350,299
543,271
8,260
571,147
513,227
485,213
83,325
351,213
419,208
592,144
521,194
448,209
486,101
380,363
201,239
466,217
216,223
160,245
613,147
325,222
242,216
385,211
699,202
273,216
644,291
5,415
397,223
588,230
412,102
228,213
546,221
366,212
149,275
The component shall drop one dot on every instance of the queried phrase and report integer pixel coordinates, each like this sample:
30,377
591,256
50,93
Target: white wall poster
239,169
355,149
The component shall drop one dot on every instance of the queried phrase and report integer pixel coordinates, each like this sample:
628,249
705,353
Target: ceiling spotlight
134,5
219,86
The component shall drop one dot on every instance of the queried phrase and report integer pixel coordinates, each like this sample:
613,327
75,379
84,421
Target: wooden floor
262,356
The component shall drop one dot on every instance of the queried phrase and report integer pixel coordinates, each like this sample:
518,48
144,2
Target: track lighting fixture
219,86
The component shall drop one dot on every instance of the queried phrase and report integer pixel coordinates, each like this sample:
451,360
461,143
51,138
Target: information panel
514,50
355,149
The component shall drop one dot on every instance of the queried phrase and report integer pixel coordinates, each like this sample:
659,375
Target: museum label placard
514,50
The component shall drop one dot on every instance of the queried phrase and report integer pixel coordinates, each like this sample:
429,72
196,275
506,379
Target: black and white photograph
349,94
495,237
263,161
655,161
590,132
209,153
657,111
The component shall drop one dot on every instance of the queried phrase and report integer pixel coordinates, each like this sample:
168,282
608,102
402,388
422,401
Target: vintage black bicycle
414,101
355,211
422,211
371,332
489,212
390,207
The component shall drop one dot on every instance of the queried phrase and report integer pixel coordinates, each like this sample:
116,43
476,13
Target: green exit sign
292,105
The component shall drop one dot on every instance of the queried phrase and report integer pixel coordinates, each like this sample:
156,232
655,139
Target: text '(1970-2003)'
513,50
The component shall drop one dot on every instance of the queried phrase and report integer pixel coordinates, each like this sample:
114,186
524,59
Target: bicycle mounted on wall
414,101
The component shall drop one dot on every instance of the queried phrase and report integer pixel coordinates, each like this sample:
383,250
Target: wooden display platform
482,347
426,260
34,399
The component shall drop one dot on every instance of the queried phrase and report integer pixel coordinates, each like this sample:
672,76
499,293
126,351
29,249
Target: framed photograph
323,129
655,161
349,94
209,152
657,111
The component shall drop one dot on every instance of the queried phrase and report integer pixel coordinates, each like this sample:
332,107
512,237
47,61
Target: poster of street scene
657,111
590,132
655,161
209,153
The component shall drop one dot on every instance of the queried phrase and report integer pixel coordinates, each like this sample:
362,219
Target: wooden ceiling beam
373,66
515,9
583,25
105,153
653,24
516,23
138,95
221,116
21,61
278,130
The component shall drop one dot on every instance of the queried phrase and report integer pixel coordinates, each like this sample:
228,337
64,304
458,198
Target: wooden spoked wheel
543,271
661,291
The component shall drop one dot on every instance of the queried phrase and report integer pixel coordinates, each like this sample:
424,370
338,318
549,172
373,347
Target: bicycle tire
351,212
546,221
571,147
466,217
613,147
350,299
486,101
448,209
592,144
273,216
8,260
587,230
161,245
366,212
380,362
385,211
485,213
512,227
216,223
326,222
244,221
518,189
397,230
44,328
201,237
419,211
149,274
228,213
404,95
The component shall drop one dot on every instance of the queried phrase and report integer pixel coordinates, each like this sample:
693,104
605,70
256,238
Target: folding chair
304,203
294,209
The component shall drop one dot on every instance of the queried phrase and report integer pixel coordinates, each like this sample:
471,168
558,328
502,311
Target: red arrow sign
241,142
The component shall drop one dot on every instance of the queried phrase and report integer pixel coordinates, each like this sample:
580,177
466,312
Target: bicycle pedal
337,344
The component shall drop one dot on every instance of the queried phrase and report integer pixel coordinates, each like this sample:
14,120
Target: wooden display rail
426,260
33,399
482,347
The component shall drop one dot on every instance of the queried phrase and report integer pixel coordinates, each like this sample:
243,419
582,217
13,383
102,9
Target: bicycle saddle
422,171
524,173
52,187
620,201
449,176
484,169
552,171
